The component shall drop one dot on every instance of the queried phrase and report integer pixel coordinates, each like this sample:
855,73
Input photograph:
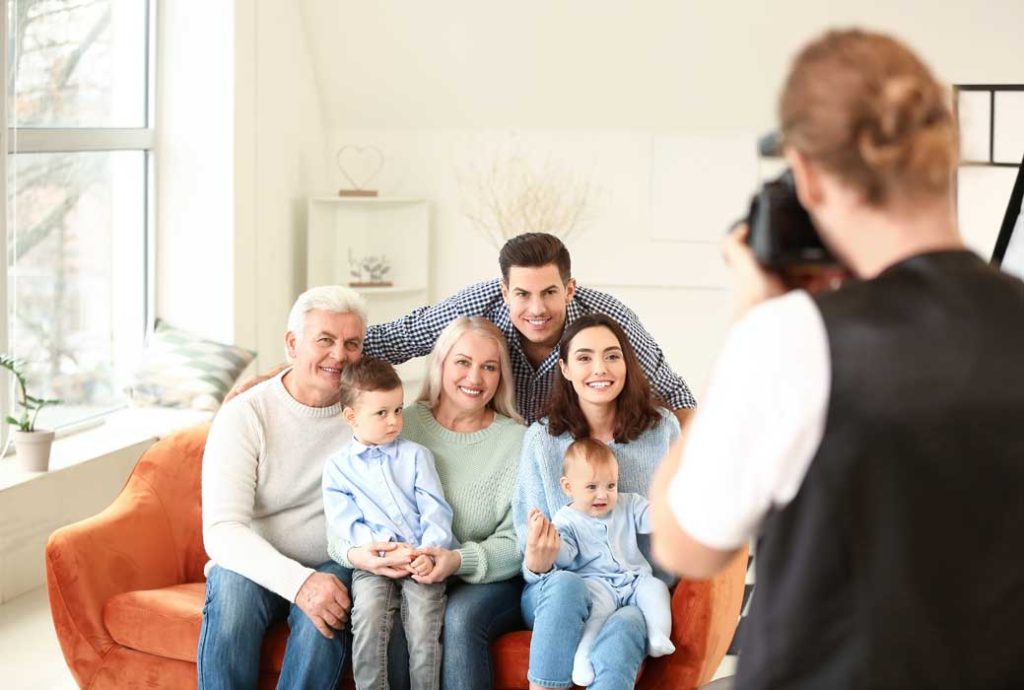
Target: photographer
872,437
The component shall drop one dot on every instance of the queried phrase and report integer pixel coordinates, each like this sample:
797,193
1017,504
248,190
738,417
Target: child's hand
422,565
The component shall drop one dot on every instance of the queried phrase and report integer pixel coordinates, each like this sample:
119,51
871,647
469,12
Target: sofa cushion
166,622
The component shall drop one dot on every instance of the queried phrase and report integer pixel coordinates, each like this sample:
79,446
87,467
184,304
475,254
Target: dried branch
508,197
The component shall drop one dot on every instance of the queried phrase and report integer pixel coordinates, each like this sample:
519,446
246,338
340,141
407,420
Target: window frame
14,141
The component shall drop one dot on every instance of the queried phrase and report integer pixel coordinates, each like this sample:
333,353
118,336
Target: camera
782,235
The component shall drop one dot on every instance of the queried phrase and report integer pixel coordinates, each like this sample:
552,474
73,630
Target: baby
598,531
380,487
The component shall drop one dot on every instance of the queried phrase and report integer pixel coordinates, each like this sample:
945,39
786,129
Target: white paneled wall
675,280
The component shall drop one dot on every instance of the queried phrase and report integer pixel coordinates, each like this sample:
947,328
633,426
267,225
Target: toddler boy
380,487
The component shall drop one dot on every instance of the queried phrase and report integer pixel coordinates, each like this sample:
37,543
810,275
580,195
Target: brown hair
865,108
367,374
636,409
590,451
535,249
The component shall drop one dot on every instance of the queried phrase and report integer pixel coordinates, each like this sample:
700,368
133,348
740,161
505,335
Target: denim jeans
375,600
477,614
236,616
556,607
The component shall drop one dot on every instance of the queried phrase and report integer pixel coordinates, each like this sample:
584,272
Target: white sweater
263,514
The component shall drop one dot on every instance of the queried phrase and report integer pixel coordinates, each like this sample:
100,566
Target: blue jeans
236,616
477,614
556,607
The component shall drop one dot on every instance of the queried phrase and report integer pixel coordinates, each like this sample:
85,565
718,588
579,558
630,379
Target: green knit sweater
478,475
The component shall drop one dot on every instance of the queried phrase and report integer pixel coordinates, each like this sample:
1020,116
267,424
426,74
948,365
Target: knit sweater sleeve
493,559
530,484
230,469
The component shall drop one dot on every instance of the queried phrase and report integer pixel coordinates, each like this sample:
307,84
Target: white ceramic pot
33,449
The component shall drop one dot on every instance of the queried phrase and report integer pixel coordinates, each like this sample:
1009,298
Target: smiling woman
602,393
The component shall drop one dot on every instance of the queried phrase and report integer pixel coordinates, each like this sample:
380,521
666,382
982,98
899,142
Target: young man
532,302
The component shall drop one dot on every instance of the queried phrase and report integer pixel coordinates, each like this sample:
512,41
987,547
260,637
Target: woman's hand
386,558
446,563
753,284
542,542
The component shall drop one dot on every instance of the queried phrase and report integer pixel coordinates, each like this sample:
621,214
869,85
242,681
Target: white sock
658,644
582,670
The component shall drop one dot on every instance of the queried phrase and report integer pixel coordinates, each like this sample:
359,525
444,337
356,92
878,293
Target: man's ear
566,486
809,189
289,344
504,291
570,290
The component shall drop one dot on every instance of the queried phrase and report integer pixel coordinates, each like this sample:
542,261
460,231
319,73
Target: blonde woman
466,416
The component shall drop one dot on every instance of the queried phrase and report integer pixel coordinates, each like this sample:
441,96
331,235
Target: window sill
117,433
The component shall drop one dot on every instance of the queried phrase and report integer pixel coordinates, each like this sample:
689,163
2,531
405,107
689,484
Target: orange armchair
126,592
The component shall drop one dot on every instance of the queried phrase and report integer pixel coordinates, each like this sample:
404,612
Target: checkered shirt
414,335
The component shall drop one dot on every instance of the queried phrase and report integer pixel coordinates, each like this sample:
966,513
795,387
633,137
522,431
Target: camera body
781,234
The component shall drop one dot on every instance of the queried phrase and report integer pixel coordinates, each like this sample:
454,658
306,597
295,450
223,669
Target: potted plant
32,445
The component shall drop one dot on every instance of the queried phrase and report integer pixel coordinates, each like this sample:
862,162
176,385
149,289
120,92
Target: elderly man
263,519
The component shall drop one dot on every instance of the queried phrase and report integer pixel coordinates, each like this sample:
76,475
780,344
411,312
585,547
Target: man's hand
386,558
446,562
246,384
325,600
542,542
753,284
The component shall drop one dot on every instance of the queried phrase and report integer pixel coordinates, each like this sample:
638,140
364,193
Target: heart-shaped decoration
359,164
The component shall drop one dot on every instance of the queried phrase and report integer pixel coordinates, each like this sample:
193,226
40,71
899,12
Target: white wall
195,119
593,85
281,154
241,145
598,87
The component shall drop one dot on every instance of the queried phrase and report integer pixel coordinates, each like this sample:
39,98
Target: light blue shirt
605,548
540,469
386,493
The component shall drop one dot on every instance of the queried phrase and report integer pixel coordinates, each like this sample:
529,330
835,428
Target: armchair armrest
704,618
130,545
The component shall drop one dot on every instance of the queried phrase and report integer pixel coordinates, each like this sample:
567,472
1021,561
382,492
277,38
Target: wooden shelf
393,290
367,200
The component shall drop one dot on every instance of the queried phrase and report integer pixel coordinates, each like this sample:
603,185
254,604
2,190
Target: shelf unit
395,227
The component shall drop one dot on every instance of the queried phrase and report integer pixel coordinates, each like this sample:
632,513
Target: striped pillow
181,369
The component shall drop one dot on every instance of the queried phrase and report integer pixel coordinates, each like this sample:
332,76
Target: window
78,188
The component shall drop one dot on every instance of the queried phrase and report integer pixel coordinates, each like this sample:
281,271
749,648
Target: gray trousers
375,599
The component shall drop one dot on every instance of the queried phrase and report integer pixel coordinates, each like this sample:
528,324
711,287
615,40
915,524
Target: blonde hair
590,451
864,107
504,401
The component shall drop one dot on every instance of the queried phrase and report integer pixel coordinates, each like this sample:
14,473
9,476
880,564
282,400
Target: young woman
600,392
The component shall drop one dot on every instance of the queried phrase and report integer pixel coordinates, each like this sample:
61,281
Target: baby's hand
422,565
537,525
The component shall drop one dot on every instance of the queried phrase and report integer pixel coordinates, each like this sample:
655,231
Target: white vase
33,449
